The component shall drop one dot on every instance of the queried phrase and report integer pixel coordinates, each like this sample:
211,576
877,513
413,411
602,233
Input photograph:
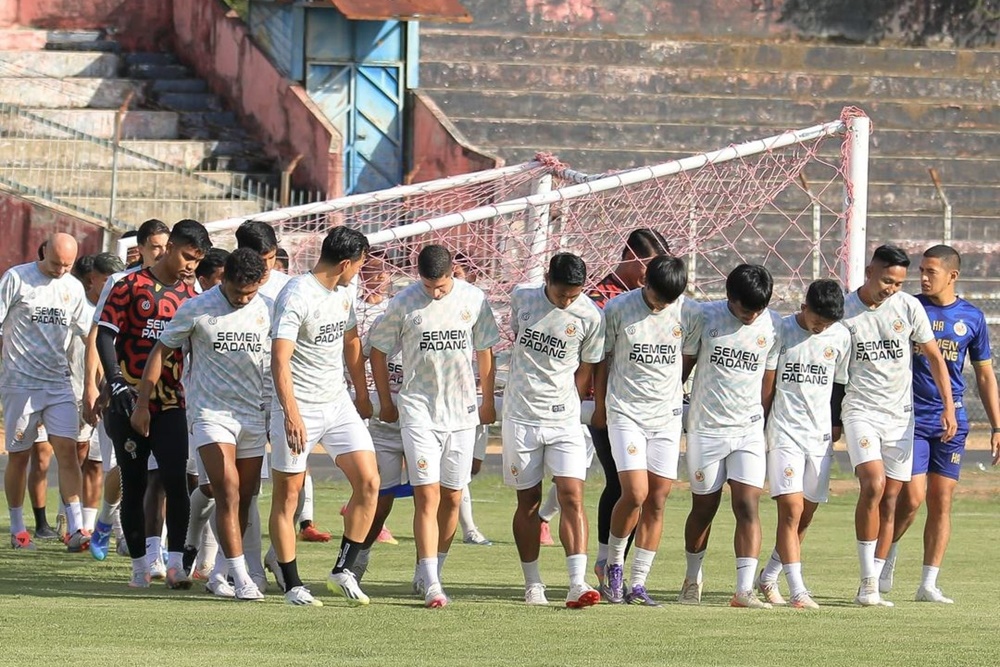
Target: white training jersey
77,353
550,343
394,362
437,339
808,366
106,290
269,291
880,382
643,351
39,314
316,319
228,344
732,359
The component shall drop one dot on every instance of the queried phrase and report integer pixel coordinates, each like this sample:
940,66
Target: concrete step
70,181
136,210
158,71
59,64
209,125
22,39
185,101
80,40
195,155
178,86
71,93
98,123
576,76
150,58
450,45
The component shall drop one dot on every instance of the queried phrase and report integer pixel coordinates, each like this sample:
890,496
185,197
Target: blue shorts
399,491
930,455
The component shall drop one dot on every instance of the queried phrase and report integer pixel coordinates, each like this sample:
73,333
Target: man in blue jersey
960,329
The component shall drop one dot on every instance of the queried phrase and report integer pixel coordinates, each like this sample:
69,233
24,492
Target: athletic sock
531,573
208,547
793,573
153,550
107,513
238,570
175,559
116,523
576,565
442,557
17,520
879,567
693,572
253,550
89,517
602,553
428,571
866,558
616,549
41,521
465,519
772,569
745,570
929,578
139,566
347,555
642,561
201,510
290,573
306,514
74,517
551,505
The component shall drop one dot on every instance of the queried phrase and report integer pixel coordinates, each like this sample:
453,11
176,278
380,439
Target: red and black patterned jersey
607,289
137,310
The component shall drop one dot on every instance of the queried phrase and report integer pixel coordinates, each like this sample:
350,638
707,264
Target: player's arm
487,381
767,391
150,375
584,377
600,417
92,375
986,381
379,362
354,360
939,371
120,393
836,407
281,371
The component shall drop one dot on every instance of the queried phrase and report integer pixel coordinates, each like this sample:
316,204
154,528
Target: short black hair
644,242
258,236
826,298
108,263
130,233
191,233
667,277
750,285
568,269
151,227
891,255
281,255
244,266
343,243
213,260
434,262
41,250
948,256
82,267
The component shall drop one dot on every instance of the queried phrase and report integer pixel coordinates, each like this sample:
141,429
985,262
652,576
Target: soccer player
137,311
814,355
735,345
210,268
641,245
877,413
227,329
961,331
558,338
315,337
639,395
438,323
41,307
281,261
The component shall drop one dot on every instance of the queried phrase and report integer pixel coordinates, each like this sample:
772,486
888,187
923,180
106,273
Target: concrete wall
26,224
436,148
139,25
217,45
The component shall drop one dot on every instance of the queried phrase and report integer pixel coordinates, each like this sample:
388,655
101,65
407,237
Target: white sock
253,550
74,517
576,565
238,568
602,552
201,510
428,569
550,507
745,570
693,572
306,514
793,573
152,550
773,568
465,519
642,561
879,566
531,573
17,520
107,513
221,568
890,561
930,575
139,566
442,557
89,518
116,523
866,558
616,549
208,548
175,559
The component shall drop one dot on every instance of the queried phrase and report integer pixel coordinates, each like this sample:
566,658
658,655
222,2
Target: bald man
41,307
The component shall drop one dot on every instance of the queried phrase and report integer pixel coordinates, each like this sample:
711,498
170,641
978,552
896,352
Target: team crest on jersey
316,314
525,317
130,446
761,341
19,435
960,328
714,333
678,331
260,320
417,321
851,329
571,330
145,305
897,325
699,476
212,321
864,443
65,297
631,449
466,315
421,464
347,305
789,472
513,470
630,330
783,350
828,353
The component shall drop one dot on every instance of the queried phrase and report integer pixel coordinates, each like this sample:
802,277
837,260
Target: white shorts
388,442
797,471
439,457
877,439
25,411
41,436
588,440
249,436
713,459
108,460
636,448
86,432
337,426
482,440
94,448
529,451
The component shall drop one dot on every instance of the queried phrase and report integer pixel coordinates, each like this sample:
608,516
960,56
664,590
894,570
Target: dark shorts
930,455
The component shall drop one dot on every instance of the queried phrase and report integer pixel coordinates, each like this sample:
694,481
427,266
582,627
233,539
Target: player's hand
295,432
122,397
995,446
387,413
836,432
363,404
600,417
487,413
477,465
140,420
949,425
91,395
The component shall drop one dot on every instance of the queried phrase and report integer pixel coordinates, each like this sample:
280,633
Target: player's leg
307,514
628,448
523,466
252,526
219,461
470,532
107,517
707,475
202,506
38,473
456,475
609,496
423,448
747,470
548,511
61,418
169,442
942,479
153,512
897,458
132,453
389,461
910,499
785,473
864,446
19,434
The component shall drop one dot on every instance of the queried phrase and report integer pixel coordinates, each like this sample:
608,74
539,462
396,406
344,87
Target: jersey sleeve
103,299
979,348
841,371
9,286
775,350
922,332
693,323
612,322
352,316
289,313
81,316
178,330
115,310
387,332
366,339
592,350
485,333
515,319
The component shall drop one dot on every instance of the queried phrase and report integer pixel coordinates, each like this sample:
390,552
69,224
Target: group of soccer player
194,360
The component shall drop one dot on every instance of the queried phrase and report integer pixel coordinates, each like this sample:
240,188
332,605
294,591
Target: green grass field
57,608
